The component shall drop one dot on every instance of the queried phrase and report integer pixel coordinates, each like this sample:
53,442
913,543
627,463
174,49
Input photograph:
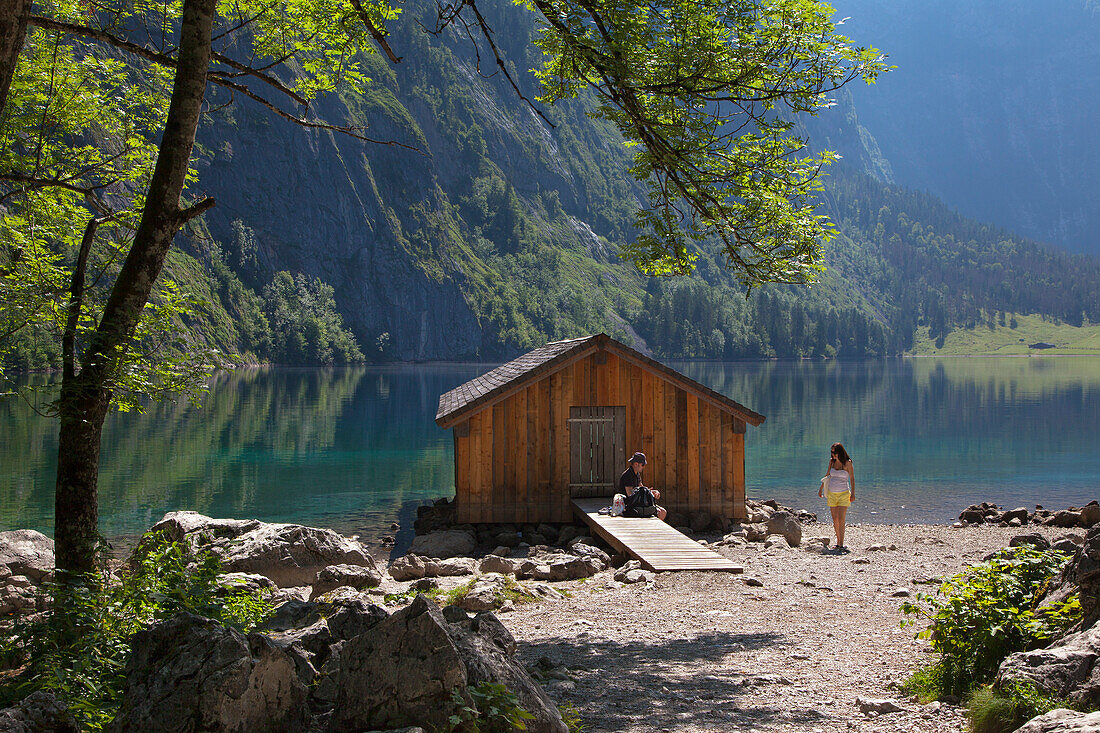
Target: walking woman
839,489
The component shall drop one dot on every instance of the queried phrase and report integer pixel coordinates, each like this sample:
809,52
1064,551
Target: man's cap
638,457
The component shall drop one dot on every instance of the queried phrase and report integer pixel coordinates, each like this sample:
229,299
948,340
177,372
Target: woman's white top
837,481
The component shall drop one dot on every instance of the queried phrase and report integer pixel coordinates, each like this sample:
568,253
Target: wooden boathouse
557,424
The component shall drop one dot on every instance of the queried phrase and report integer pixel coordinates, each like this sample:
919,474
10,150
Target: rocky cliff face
386,224
994,108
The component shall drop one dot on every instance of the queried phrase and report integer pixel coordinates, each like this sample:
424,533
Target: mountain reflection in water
356,447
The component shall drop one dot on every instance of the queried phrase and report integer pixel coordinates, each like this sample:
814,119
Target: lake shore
706,652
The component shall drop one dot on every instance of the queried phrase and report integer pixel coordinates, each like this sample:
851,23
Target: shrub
495,709
1001,711
981,615
79,650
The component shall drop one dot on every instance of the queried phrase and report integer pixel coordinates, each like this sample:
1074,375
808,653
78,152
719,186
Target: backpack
641,503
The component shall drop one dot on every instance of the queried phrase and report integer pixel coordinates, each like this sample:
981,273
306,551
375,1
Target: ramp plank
655,544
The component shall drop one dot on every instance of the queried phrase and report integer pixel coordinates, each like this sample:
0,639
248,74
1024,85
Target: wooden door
597,451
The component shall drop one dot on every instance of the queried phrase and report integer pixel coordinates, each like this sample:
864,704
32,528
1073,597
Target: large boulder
1062,721
406,670
1090,514
39,712
289,554
450,567
1065,518
445,543
192,674
354,576
310,632
1083,573
1067,670
486,594
785,523
407,567
27,553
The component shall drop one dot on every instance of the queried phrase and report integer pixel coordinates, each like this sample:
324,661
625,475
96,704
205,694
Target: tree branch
191,212
76,297
378,36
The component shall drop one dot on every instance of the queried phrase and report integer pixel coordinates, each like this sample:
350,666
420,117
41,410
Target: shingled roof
507,378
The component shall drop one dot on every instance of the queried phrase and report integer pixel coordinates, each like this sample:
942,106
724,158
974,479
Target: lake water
357,448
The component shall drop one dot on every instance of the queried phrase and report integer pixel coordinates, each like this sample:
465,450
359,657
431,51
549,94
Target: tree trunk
13,30
86,396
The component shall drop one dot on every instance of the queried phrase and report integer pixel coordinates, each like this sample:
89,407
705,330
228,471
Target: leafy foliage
81,654
494,709
980,616
705,91
994,711
305,327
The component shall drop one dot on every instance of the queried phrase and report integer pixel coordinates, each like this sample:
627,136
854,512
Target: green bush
495,709
79,650
1001,711
983,614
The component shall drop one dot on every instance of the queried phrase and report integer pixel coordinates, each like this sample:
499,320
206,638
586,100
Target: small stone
901,593
869,706
861,561
752,582
876,548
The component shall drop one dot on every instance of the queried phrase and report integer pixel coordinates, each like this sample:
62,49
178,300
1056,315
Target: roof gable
508,378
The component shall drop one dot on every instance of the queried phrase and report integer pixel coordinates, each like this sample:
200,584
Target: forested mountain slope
485,230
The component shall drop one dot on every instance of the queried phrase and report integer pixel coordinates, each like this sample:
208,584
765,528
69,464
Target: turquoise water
357,448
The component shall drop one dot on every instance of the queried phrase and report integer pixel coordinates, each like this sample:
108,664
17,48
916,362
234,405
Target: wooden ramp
658,546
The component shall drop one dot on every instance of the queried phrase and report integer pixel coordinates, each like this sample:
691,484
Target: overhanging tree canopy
704,90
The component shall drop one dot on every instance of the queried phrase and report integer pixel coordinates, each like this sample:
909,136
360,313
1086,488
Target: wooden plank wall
512,461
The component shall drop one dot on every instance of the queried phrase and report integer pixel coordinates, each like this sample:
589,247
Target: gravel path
697,651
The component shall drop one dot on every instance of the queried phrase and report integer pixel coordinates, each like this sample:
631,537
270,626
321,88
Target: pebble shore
804,651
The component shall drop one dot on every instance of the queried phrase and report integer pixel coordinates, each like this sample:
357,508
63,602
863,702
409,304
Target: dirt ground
696,651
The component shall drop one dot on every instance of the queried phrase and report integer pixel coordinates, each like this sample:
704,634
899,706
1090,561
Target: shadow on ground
668,684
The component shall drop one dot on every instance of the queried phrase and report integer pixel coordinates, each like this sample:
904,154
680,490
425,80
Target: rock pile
26,562
579,560
775,525
1069,668
987,513
334,668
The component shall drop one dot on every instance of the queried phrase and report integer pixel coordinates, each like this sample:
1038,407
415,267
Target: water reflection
336,446
352,448
928,436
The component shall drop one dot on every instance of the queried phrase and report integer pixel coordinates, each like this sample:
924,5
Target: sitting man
631,480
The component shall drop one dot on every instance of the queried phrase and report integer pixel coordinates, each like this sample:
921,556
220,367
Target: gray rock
581,539
407,567
406,669
776,540
1019,513
1062,721
1067,670
756,532
1083,574
580,549
568,532
289,554
444,543
487,593
1090,514
506,539
1065,518
190,673
878,707
786,524
354,576
497,564
27,553
39,712
1066,545
876,548
248,582
752,581
450,567
1032,538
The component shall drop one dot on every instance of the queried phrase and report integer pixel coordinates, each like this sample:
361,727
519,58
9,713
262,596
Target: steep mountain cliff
485,229
994,107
